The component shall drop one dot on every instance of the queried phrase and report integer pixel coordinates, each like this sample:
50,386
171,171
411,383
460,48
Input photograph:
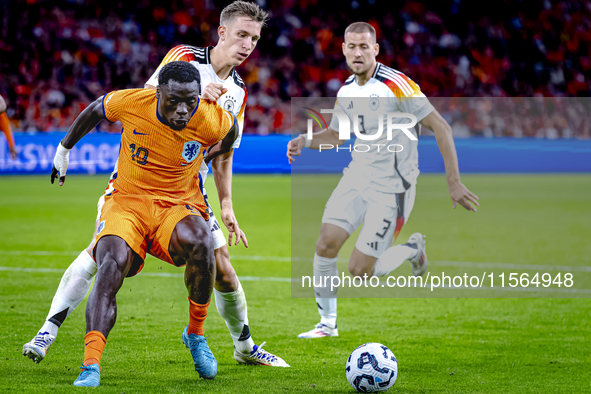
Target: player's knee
109,268
226,279
113,255
91,245
359,271
200,245
327,247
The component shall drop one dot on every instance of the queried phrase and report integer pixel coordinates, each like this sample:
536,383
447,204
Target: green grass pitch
443,345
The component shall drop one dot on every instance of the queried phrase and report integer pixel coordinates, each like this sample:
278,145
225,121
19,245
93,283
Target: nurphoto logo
389,121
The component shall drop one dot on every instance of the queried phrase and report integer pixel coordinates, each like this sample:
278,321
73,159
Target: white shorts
353,202
219,239
218,236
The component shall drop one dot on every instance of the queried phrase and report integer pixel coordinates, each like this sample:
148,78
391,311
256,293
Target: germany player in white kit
240,27
378,187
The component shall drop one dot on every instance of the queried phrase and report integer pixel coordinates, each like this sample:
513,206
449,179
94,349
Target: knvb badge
191,150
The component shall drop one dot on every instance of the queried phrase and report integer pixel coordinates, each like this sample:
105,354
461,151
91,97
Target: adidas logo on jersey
350,105
373,245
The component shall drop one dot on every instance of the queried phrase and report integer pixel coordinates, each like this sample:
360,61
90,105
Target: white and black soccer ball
371,368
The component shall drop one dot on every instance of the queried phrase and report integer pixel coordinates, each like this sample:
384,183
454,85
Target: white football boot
320,331
37,348
259,357
419,263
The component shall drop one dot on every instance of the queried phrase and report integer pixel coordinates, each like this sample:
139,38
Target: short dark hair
179,71
361,27
243,8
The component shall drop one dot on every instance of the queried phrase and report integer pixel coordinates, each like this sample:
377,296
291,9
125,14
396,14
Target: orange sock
5,127
198,314
94,344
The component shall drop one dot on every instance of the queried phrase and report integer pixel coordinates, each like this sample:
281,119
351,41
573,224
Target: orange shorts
145,224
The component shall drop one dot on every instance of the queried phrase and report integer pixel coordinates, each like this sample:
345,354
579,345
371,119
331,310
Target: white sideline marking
281,259
154,274
36,253
294,280
288,280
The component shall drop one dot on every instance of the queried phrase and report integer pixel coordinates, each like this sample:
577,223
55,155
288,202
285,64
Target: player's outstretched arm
222,174
327,137
443,134
86,121
221,157
225,145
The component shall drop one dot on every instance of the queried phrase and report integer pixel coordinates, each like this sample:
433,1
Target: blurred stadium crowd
58,56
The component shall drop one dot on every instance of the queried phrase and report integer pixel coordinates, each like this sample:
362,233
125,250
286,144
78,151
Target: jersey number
362,124
141,154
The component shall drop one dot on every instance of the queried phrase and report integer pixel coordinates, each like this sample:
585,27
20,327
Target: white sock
232,308
326,299
393,258
73,288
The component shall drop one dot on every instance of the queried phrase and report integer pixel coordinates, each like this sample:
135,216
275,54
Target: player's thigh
332,238
219,240
125,217
405,203
99,207
190,239
408,201
386,215
345,209
115,259
226,279
378,229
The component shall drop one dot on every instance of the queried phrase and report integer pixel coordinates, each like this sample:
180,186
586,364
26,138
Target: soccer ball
372,367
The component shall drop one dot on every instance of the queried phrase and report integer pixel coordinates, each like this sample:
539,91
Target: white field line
282,259
294,280
465,264
154,274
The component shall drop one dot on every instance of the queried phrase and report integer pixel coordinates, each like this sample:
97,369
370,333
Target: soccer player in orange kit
5,128
156,204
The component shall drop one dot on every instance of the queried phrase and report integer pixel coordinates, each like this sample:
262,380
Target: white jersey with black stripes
390,165
234,100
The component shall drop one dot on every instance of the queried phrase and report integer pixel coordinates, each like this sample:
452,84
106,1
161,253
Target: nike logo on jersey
135,132
86,344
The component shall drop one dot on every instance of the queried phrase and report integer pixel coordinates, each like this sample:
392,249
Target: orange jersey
156,161
234,100
6,129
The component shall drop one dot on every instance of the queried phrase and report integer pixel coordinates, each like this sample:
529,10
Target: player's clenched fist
213,91
294,148
60,164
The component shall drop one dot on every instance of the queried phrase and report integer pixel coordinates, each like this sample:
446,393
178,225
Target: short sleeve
418,105
227,124
240,119
117,103
222,122
113,105
409,97
334,121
